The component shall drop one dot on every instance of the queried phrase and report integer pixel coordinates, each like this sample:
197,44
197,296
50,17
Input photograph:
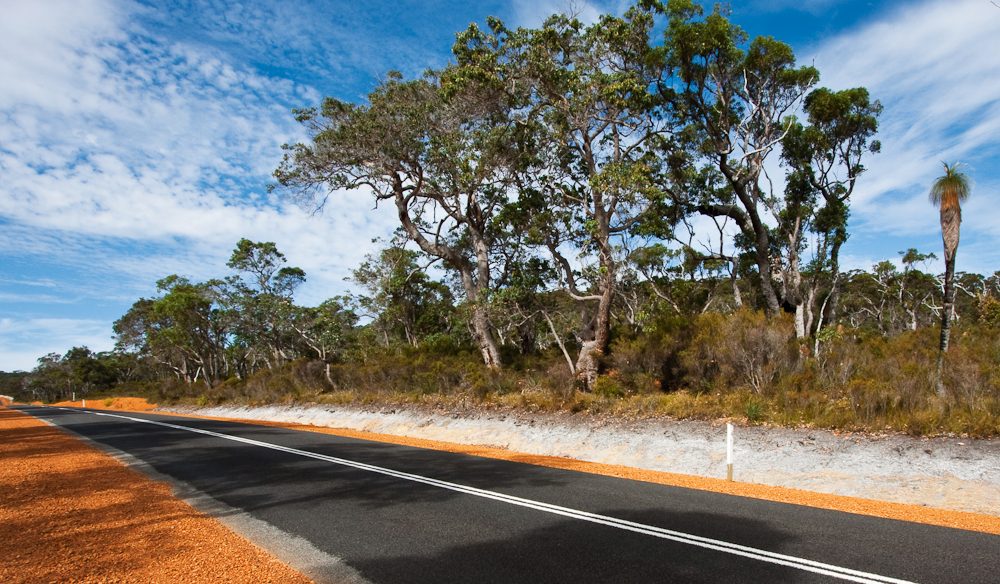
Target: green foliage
15,384
79,371
889,300
608,386
754,410
406,304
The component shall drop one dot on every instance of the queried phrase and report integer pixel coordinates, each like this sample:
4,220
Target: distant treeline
683,338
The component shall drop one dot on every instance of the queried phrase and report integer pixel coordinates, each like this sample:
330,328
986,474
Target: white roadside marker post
729,452
84,402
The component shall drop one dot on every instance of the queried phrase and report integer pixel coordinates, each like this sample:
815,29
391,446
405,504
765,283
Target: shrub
988,311
754,410
743,349
558,379
608,387
650,360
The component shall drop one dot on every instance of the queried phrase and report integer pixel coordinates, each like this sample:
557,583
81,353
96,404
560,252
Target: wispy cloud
128,155
353,43
15,298
934,66
23,341
144,156
38,283
810,6
530,13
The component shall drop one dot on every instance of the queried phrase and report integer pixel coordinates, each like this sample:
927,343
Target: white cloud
23,341
529,13
36,282
15,298
36,39
935,68
143,156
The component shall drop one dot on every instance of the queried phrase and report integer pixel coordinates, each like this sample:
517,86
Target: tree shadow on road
566,550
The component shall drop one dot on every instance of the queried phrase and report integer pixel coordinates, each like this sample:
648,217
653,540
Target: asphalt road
406,515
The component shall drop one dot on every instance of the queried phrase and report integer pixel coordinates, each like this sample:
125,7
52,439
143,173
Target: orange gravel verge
69,513
885,509
134,404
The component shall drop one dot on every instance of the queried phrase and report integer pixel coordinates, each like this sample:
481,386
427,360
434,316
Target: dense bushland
738,365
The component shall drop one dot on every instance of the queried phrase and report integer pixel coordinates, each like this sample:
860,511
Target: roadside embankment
132,404
943,473
69,513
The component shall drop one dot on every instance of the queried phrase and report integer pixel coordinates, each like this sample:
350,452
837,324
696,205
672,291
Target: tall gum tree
259,298
583,91
436,149
402,300
182,330
825,156
737,104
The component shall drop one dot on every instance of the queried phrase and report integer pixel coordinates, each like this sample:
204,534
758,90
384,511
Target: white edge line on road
841,573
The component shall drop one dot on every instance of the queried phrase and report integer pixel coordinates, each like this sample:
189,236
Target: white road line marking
833,571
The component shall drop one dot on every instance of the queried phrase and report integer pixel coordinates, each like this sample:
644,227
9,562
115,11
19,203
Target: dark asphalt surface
394,530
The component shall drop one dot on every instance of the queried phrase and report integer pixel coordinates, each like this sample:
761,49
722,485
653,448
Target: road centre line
846,574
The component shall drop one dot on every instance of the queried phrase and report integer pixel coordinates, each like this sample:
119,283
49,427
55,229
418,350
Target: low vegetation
738,365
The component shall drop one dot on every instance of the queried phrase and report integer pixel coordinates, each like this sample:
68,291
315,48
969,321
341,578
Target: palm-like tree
948,193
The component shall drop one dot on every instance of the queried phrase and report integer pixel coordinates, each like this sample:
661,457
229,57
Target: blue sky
136,139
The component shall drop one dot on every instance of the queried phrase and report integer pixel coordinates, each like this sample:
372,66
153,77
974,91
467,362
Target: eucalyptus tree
948,193
259,301
825,156
326,330
891,300
401,298
88,370
439,150
582,94
183,330
50,379
737,99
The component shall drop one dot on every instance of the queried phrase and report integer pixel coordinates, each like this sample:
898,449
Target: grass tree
948,193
